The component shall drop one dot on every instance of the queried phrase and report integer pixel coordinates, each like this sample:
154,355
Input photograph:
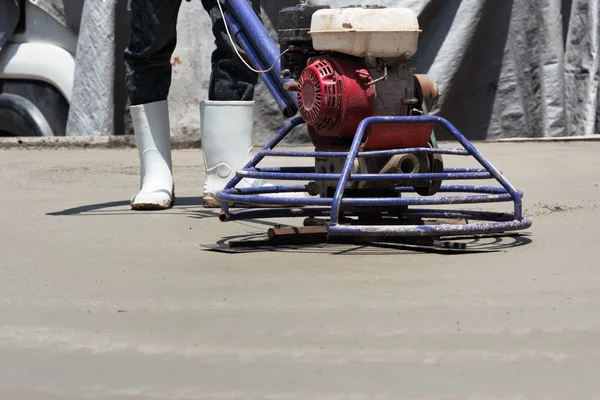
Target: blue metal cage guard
262,52
337,208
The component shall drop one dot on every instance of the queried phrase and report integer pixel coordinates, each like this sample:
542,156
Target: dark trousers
151,45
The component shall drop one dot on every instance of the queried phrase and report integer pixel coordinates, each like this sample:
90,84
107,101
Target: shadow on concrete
463,246
117,208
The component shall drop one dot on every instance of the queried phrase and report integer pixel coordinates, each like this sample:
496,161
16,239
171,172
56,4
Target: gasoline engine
378,170
352,63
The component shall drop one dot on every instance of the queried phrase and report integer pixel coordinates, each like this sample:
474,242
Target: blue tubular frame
262,52
391,206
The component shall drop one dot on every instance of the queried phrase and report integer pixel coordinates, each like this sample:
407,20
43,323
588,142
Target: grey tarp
507,68
93,105
9,17
512,68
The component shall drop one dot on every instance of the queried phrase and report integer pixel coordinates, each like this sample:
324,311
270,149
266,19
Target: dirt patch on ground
540,209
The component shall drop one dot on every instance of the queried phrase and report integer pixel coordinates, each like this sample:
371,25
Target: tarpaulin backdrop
506,68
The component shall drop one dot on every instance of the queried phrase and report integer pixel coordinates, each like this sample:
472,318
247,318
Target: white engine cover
386,32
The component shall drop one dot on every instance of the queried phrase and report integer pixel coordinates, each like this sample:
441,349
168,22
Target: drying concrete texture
99,302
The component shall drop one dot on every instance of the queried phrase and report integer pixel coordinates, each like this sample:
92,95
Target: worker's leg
227,118
148,63
231,80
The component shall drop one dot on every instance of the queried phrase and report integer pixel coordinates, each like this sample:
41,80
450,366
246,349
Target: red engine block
334,97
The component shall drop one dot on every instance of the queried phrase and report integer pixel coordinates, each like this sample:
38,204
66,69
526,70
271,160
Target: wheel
20,117
31,108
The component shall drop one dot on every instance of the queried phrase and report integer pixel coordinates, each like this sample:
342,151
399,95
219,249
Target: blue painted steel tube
285,102
294,170
364,177
251,196
256,31
270,145
258,158
326,211
354,149
465,170
462,189
309,170
487,222
433,230
303,188
266,190
484,162
364,154
346,171
266,48
468,214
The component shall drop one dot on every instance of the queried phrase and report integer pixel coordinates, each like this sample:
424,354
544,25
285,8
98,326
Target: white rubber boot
153,138
226,129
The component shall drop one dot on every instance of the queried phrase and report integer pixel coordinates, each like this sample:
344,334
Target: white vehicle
37,63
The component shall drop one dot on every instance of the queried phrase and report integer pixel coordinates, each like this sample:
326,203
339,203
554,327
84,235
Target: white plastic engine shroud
384,32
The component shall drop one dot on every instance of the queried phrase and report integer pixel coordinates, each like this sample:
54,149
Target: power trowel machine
378,173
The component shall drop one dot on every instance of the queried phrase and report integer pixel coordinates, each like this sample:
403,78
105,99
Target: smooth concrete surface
99,302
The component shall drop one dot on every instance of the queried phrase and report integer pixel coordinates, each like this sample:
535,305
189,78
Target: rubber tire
53,107
24,110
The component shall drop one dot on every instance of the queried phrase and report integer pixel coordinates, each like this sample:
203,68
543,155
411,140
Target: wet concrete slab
101,302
